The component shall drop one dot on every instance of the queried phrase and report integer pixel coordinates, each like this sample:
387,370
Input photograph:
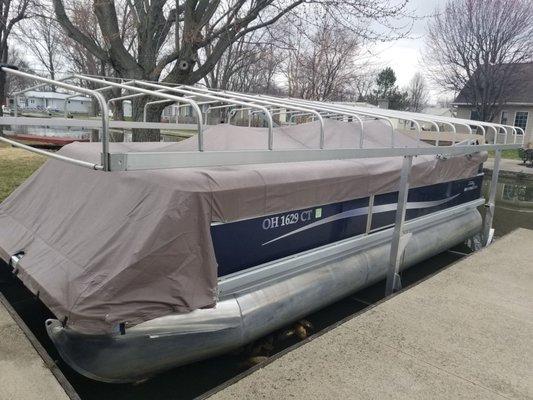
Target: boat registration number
278,221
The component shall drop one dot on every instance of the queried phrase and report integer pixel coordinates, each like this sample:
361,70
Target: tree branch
76,34
118,55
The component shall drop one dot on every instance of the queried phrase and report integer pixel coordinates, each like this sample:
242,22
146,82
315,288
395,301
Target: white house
518,109
34,100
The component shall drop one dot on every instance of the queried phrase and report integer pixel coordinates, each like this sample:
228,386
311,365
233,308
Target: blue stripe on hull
243,244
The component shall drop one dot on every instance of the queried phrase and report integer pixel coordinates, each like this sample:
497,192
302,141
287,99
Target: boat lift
195,96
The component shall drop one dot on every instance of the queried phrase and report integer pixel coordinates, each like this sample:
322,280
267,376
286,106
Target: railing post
489,212
399,240
104,110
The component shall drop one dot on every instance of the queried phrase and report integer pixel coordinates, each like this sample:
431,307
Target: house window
474,115
504,118
520,119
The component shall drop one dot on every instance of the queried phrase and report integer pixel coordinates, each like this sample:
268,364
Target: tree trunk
3,98
117,107
95,134
153,114
2,91
118,111
3,77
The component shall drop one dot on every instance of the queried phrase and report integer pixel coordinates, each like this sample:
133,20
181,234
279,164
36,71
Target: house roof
52,95
522,95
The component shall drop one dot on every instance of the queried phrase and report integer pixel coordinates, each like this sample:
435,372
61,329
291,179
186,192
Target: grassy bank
15,166
509,154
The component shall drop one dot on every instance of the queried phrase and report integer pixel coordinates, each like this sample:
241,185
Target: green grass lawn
15,166
510,154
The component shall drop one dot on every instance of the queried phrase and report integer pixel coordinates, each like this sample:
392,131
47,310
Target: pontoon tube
175,340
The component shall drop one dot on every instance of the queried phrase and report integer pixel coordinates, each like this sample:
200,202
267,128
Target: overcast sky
405,55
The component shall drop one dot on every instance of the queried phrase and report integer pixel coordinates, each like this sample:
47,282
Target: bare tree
258,74
15,83
321,65
80,60
248,65
474,46
41,36
364,83
11,13
418,93
173,36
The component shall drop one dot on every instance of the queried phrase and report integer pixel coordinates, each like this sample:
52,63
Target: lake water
514,204
73,133
514,208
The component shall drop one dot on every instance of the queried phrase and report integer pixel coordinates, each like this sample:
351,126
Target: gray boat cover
105,248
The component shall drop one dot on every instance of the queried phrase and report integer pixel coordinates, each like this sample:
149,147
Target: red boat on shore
44,141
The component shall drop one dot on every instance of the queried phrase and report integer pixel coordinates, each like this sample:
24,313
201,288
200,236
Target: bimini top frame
195,96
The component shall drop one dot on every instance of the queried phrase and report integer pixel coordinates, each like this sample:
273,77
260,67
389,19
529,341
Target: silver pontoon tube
242,316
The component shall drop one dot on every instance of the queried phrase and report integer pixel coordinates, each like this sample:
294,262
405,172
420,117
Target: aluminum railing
454,121
153,93
194,96
434,120
294,103
221,99
270,101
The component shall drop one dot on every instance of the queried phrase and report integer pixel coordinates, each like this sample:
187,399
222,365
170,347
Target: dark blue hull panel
244,244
